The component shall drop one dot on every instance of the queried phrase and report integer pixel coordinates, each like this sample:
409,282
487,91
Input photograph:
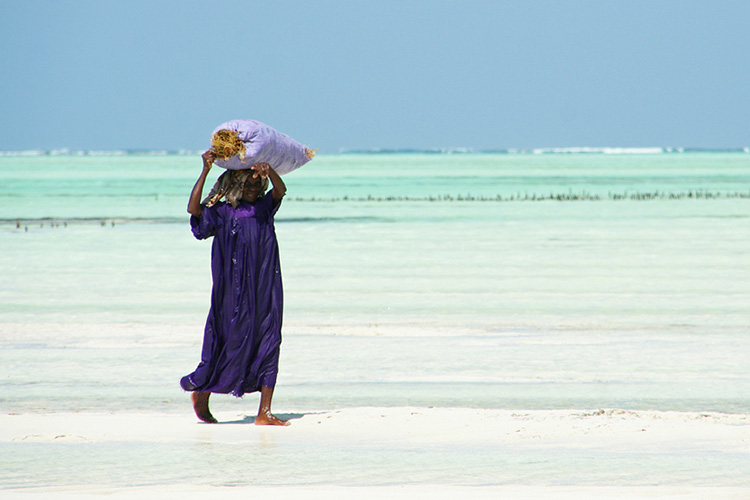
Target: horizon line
614,150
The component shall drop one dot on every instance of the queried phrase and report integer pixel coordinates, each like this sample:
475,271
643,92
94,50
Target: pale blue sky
387,74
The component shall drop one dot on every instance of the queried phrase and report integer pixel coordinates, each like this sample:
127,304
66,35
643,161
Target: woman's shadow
250,419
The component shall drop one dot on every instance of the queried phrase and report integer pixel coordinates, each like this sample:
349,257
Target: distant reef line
398,151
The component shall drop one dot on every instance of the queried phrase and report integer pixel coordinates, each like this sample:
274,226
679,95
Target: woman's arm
279,188
194,204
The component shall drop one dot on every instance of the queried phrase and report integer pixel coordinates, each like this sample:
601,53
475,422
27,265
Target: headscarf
230,185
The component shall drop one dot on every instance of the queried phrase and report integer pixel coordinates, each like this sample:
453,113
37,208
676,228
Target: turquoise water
103,242
467,280
154,187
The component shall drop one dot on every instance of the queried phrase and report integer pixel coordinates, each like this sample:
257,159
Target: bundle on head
227,143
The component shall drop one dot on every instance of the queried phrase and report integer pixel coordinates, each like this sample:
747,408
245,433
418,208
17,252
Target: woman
243,331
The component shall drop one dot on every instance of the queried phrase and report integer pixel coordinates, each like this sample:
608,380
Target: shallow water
287,463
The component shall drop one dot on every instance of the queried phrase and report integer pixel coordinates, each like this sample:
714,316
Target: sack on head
240,144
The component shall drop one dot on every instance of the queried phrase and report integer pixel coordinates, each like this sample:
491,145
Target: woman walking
242,336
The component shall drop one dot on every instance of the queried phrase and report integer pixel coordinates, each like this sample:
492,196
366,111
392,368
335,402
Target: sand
604,428
606,432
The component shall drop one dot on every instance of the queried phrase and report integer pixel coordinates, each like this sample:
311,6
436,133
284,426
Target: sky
350,74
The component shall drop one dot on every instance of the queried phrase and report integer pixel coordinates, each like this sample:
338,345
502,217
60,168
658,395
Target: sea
584,278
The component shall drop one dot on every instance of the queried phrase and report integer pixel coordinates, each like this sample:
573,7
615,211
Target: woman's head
254,187
236,186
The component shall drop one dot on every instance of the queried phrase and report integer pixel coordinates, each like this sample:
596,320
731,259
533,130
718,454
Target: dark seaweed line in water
53,223
570,196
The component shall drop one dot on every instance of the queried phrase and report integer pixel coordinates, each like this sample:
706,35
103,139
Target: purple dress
243,331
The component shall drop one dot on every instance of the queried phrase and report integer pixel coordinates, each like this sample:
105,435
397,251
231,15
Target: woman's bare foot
265,417
268,418
200,405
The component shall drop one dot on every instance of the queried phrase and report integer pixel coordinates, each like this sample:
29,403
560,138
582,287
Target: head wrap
230,185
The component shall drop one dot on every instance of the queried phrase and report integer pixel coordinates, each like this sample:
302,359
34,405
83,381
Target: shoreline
371,452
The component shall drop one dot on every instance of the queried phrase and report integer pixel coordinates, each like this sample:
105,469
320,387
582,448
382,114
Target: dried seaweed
226,143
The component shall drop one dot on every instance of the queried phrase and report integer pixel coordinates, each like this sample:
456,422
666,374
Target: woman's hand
208,159
262,170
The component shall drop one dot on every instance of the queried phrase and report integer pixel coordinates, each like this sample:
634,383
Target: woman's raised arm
194,204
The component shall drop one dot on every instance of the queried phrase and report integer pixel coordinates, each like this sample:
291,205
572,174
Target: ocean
487,281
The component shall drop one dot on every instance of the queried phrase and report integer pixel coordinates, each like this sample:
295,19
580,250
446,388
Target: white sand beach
624,430
615,438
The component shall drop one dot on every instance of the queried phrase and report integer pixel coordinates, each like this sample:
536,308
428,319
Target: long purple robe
243,331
